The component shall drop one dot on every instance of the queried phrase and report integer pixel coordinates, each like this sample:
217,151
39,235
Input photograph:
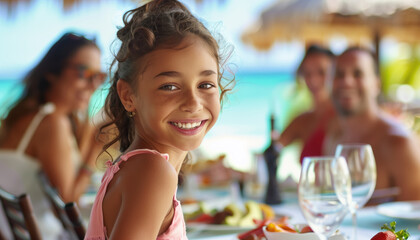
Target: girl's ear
126,95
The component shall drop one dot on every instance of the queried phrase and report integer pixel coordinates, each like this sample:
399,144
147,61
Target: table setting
332,200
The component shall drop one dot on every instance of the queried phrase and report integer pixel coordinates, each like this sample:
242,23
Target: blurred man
355,89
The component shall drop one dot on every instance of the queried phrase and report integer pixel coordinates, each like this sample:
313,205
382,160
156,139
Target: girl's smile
189,127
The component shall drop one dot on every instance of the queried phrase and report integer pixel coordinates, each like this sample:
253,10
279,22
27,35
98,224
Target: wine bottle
271,155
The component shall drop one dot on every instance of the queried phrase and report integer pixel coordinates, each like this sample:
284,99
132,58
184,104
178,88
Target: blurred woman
317,69
48,130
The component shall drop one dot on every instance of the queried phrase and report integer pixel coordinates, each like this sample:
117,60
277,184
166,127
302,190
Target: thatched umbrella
67,4
13,4
360,21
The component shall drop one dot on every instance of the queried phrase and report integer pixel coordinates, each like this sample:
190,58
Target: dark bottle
271,155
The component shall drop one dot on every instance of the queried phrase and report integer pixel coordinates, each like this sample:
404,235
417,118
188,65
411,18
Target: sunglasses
94,77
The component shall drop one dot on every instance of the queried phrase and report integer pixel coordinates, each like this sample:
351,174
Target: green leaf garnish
401,234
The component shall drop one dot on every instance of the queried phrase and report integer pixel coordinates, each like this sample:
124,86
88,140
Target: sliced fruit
306,229
387,235
235,215
267,210
253,212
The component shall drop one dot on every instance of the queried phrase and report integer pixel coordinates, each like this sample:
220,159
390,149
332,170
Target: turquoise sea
243,126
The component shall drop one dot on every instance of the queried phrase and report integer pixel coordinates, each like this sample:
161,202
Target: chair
2,237
68,213
19,213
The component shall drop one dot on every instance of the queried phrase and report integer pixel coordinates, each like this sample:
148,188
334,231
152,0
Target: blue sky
29,31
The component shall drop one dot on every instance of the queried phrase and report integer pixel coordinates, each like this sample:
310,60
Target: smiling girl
164,97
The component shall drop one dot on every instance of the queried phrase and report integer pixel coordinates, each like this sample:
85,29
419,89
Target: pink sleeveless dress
96,229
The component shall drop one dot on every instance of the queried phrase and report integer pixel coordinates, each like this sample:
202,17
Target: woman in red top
317,70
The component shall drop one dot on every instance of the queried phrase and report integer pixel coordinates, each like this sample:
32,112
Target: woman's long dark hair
35,82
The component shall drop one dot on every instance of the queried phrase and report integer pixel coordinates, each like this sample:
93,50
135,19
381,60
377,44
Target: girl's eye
206,85
168,87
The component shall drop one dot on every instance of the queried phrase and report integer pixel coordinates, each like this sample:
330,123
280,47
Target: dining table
369,219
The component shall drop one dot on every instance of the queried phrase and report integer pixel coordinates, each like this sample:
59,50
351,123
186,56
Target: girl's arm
54,144
148,184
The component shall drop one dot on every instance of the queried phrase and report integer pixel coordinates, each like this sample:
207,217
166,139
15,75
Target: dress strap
46,109
140,151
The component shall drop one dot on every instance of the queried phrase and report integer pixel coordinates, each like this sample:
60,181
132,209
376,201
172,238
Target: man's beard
349,111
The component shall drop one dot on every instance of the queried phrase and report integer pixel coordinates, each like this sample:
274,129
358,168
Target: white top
19,174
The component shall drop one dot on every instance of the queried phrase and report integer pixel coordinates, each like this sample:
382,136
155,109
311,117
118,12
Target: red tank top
314,145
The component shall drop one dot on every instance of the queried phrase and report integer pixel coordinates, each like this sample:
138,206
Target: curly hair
157,24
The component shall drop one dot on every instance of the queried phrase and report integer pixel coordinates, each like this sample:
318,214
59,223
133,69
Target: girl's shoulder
148,167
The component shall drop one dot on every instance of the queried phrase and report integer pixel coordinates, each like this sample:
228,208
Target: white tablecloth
369,223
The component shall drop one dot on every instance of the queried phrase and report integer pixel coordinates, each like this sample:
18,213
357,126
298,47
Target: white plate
289,236
216,227
297,236
401,210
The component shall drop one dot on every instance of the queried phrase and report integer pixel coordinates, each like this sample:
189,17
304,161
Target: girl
43,132
165,96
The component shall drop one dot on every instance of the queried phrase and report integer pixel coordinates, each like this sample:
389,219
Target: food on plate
286,227
306,229
387,235
254,234
391,233
253,213
267,211
202,209
275,226
232,214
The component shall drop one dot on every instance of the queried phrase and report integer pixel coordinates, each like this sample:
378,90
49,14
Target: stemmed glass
362,168
320,205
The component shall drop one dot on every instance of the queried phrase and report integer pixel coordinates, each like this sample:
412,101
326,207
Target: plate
402,210
297,236
290,236
216,227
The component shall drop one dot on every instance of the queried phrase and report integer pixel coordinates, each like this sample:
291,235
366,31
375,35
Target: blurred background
268,37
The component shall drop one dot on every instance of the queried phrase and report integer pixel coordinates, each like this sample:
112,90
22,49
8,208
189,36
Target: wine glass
320,205
362,169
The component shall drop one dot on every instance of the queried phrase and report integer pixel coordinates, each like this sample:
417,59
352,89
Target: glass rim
319,159
326,157
353,144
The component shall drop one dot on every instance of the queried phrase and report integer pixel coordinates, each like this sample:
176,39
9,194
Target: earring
131,114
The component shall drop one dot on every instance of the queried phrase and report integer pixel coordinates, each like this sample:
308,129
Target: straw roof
67,4
319,20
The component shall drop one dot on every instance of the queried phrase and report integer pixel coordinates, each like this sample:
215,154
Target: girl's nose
191,102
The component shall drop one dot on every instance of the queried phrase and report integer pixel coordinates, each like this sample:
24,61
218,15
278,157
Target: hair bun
143,39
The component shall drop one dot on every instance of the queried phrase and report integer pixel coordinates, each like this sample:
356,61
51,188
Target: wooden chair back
19,214
68,213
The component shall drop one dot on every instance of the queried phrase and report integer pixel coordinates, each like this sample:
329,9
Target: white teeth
187,125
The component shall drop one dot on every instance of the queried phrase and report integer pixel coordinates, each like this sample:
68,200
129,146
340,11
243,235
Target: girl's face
78,80
177,95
